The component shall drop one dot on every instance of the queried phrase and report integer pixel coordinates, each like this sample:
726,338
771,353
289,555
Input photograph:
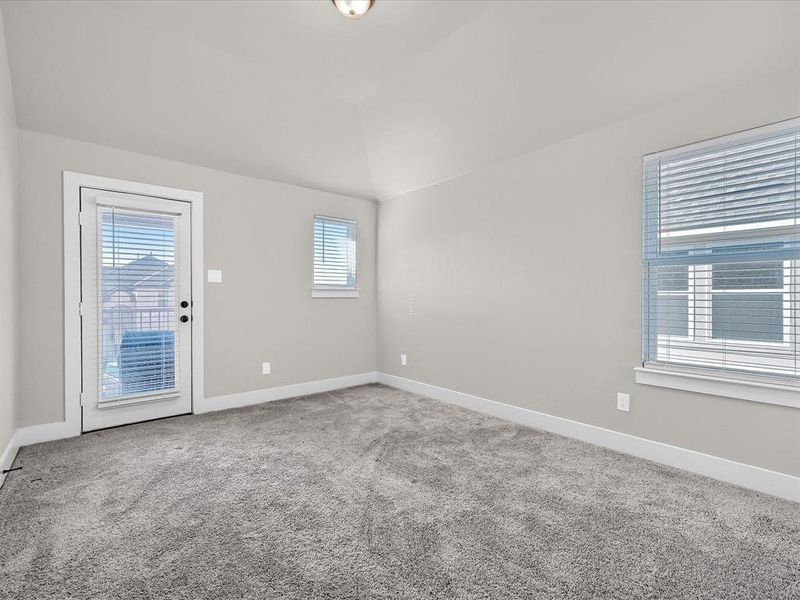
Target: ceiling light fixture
353,9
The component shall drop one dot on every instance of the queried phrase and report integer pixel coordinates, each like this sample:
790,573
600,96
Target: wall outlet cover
623,402
403,359
266,368
214,276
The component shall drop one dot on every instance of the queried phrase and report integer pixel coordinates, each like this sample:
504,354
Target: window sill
332,293
755,391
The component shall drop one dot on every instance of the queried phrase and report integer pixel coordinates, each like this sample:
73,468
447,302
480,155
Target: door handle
184,318
184,303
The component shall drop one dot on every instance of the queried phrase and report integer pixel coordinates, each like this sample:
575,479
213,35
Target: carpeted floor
376,493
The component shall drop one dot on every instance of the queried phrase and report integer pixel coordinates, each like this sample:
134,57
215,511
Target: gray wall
525,277
8,248
258,232
526,283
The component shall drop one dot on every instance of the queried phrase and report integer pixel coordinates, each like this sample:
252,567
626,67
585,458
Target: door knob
184,303
184,318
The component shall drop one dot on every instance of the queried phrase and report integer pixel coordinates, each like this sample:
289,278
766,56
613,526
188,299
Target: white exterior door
136,308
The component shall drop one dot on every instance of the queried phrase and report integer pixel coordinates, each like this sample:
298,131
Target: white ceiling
415,93
307,43
524,77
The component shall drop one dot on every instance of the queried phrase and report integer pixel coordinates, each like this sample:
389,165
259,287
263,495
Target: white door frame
73,182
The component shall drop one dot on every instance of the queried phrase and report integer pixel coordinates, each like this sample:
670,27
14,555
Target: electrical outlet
623,402
266,368
403,359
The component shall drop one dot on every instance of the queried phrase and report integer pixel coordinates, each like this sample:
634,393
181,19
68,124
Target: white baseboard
8,456
282,392
25,436
748,476
47,432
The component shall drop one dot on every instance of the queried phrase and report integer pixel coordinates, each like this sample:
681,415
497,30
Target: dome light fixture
353,9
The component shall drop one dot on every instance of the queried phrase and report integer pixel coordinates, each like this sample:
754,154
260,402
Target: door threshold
136,423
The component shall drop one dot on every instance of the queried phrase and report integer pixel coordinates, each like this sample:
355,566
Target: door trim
72,184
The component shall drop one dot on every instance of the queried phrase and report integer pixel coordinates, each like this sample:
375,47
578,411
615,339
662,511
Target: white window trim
335,292
730,137
753,390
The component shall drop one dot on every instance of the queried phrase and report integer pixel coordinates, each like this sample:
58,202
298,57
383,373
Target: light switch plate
214,276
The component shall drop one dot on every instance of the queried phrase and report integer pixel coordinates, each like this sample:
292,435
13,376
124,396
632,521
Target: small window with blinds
334,258
721,256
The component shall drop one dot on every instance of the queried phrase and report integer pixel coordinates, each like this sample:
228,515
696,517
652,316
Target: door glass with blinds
721,256
136,309
334,257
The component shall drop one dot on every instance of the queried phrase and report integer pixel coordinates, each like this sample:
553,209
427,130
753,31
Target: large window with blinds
334,258
721,256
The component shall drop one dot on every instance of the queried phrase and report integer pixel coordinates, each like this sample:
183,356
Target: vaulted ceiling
414,93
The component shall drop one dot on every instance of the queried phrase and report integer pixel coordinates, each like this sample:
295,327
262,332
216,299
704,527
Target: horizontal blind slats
721,257
334,253
733,153
136,325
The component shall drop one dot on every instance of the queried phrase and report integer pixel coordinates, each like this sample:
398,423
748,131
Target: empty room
399,299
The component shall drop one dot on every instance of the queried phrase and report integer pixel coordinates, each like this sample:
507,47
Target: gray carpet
376,493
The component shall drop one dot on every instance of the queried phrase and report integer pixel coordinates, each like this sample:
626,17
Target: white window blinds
721,256
136,319
334,254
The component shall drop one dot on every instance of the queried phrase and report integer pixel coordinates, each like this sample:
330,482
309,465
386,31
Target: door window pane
137,345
